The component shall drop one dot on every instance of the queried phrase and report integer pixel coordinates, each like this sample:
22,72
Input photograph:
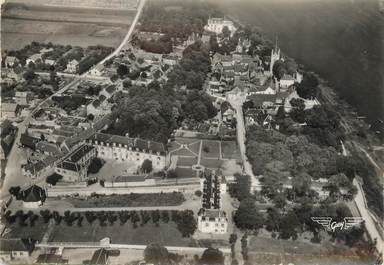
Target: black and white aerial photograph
192,132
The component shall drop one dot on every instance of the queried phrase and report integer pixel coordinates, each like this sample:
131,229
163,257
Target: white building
212,221
22,98
122,148
33,59
275,56
217,24
97,70
10,61
73,66
308,103
49,61
169,59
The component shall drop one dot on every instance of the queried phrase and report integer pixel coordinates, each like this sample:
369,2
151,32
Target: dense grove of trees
287,66
69,103
322,125
192,69
94,55
288,222
278,157
176,19
308,88
153,112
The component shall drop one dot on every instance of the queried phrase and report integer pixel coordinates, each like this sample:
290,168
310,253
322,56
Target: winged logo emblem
330,225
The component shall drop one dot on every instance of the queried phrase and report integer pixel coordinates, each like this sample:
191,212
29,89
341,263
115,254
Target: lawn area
186,161
302,253
195,147
165,234
184,152
230,150
211,149
185,172
35,232
130,200
267,259
183,140
211,163
172,146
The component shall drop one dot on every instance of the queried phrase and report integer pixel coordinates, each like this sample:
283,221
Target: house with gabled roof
99,257
10,61
74,166
72,66
33,197
15,249
33,59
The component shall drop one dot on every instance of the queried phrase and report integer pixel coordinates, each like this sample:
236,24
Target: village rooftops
259,100
110,89
35,57
96,103
46,147
123,141
28,141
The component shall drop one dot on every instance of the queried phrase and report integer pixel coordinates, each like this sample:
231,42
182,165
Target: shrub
53,179
95,166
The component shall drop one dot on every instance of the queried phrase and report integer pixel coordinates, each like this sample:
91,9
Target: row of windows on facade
101,144
216,224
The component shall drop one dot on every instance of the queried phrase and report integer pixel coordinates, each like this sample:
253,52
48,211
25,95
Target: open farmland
78,27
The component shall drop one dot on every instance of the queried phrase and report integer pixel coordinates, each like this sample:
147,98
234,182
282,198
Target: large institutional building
122,148
74,166
217,24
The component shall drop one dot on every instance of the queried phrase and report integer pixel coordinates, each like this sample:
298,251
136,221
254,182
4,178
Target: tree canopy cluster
280,68
308,88
153,112
192,68
278,158
176,19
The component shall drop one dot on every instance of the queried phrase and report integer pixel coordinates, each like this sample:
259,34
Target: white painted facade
217,24
213,221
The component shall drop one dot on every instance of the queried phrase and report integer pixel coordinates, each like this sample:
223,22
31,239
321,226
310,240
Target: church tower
275,56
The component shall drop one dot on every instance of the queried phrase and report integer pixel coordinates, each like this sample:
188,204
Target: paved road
13,175
237,104
129,33
372,230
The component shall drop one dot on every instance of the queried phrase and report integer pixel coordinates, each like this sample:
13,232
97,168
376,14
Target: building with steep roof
8,110
122,148
73,66
33,197
74,166
15,249
99,257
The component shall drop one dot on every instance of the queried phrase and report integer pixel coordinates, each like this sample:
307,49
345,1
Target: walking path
129,33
